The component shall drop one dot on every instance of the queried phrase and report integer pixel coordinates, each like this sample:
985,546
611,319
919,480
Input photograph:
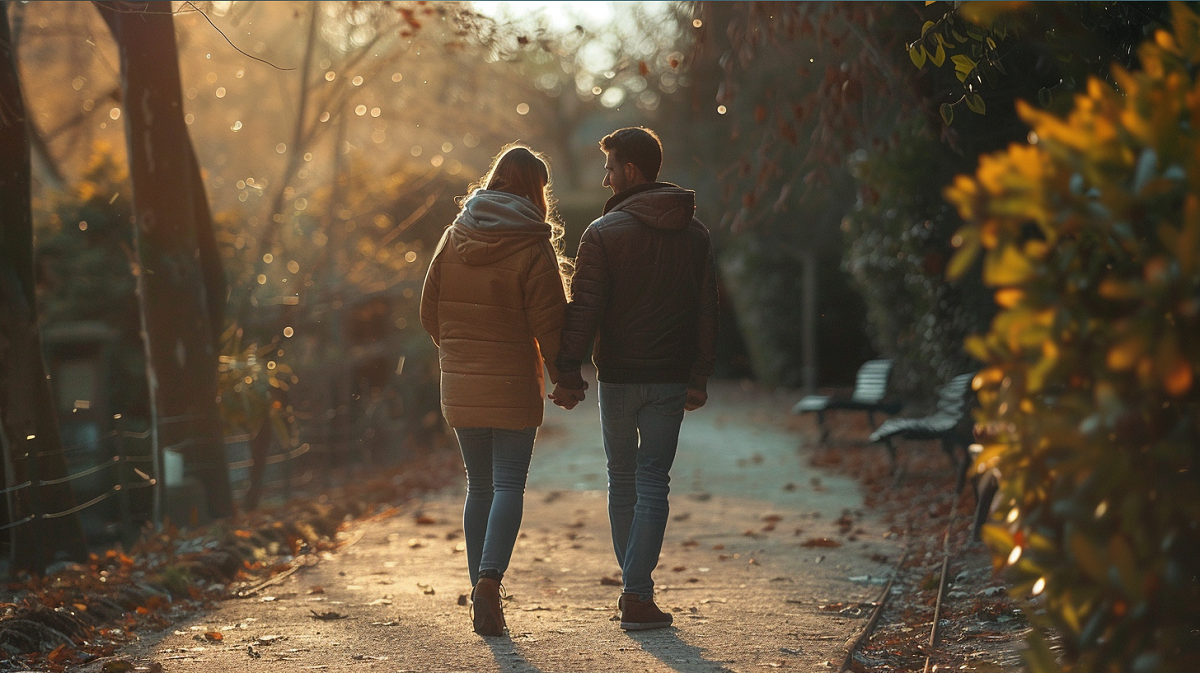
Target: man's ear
633,175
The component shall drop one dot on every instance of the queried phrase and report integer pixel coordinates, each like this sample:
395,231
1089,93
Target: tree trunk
27,411
181,288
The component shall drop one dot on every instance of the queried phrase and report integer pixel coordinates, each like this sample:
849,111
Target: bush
1089,404
897,245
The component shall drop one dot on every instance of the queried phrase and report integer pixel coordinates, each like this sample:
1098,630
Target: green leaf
958,36
1088,557
939,56
918,55
1038,657
964,256
925,28
963,63
975,103
947,111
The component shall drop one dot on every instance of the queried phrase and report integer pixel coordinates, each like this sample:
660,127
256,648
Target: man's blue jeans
640,423
497,463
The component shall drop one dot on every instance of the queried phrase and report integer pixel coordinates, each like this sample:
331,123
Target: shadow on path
509,656
678,654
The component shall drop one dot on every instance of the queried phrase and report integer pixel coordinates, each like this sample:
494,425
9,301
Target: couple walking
645,300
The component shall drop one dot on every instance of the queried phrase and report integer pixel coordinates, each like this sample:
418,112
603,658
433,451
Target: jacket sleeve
589,295
706,337
545,304
431,292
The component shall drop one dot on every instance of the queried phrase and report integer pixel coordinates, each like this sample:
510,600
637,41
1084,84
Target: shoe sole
644,626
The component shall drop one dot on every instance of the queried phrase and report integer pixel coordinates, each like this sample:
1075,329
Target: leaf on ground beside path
214,636
462,599
683,516
116,666
679,569
414,543
704,601
269,640
424,520
387,623
718,547
690,543
327,615
772,518
426,589
316,590
611,582
253,653
369,657
820,542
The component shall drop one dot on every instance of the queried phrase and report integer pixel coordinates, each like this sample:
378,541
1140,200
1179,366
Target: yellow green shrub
1090,404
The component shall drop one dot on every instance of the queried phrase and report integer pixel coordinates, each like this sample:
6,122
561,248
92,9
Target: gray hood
661,205
493,225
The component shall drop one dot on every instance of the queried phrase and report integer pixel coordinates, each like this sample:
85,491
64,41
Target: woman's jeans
497,463
640,422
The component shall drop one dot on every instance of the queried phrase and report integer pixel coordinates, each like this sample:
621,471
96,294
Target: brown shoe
639,615
489,614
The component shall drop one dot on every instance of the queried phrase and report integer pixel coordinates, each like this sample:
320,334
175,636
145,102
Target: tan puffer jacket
493,302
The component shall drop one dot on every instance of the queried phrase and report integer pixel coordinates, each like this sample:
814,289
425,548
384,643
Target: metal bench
950,423
870,391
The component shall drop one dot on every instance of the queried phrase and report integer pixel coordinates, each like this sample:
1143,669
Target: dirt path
745,591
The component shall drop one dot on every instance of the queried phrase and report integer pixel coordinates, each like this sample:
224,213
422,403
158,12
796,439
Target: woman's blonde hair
521,171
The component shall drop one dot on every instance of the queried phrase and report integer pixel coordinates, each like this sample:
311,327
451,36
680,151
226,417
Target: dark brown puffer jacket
493,302
645,289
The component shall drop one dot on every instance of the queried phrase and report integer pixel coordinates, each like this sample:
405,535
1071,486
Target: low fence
121,463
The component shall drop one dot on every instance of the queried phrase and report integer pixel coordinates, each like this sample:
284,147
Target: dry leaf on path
820,542
611,582
327,615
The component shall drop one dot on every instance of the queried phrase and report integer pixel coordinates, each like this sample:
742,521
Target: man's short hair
638,146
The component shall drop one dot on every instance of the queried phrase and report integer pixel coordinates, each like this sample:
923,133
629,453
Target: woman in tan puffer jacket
493,302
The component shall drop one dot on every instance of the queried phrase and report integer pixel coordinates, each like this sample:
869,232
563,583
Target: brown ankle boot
489,614
639,615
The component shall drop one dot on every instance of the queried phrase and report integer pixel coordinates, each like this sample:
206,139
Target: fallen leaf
316,590
327,615
820,542
116,666
214,636
690,543
462,599
611,582
772,518
424,520
679,569
414,543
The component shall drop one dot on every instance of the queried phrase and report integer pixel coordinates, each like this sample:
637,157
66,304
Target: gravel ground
768,562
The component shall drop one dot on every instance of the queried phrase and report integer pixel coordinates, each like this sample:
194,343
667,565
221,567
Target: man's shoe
639,615
489,614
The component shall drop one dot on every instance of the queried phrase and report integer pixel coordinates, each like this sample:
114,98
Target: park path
746,592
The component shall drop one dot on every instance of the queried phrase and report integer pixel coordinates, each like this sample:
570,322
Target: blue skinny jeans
640,423
497,463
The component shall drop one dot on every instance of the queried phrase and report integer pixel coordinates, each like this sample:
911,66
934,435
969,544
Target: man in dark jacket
645,292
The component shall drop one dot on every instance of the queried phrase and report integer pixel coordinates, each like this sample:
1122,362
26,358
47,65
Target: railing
121,485
332,449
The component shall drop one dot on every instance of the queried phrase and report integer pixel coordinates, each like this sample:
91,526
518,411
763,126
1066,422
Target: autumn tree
28,423
181,286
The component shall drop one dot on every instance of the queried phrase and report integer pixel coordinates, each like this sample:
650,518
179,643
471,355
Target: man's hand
566,398
695,399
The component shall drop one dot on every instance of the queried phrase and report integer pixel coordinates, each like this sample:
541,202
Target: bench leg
895,464
963,463
871,418
824,440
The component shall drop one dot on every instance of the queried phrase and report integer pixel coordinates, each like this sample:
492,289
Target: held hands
566,398
695,399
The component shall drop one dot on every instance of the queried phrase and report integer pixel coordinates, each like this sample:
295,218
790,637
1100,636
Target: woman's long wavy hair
521,171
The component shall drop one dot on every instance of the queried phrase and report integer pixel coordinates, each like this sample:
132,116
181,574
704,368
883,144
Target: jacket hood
661,205
493,225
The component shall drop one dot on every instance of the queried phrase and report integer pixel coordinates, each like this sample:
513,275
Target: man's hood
493,225
661,205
